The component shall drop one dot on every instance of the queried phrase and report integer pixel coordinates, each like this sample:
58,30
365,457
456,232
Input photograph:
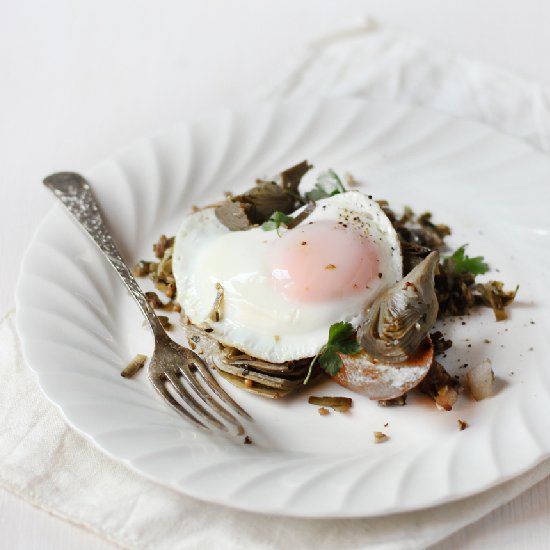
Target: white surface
85,78
52,465
76,321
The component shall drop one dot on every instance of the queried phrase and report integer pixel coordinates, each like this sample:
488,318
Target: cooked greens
493,295
455,281
161,274
291,178
261,202
440,386
164,243
440,344
264,199
417,230
143,268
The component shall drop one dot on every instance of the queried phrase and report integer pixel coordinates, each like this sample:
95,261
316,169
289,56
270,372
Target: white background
79,79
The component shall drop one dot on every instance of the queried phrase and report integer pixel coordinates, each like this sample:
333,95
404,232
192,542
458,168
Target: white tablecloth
82,79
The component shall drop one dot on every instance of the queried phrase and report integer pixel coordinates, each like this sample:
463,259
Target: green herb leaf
328,184
341,336
339,332
276,220
350,347
330,361
341,339
464,264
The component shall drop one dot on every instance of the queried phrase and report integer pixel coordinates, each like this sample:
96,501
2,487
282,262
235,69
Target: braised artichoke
400,319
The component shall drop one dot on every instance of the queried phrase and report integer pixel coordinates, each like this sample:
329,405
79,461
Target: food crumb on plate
462,425
338,404
380,437
134,366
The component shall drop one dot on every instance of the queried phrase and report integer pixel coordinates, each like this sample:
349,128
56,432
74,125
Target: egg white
256,318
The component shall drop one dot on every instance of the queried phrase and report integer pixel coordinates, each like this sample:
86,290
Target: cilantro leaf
330,361
276,220
350,346
461,263
341,336
328,184
341,339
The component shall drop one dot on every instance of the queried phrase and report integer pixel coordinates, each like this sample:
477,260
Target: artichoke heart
273,380
400,319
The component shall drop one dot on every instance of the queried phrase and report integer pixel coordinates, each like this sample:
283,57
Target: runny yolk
322,261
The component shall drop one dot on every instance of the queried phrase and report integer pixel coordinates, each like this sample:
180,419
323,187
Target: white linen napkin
47,463
374,62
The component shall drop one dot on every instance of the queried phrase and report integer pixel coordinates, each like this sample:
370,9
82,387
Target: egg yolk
322,261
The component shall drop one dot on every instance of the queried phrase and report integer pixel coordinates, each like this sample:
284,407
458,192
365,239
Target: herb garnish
464,264
328,184
276,220
341,338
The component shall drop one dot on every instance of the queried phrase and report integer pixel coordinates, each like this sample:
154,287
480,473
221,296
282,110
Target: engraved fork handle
76,195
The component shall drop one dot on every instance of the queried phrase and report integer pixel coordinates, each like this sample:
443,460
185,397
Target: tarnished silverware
172,365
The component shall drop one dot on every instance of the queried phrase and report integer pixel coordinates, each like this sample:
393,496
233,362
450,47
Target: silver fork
171,362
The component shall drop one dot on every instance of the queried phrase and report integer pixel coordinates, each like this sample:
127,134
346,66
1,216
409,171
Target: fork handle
76,195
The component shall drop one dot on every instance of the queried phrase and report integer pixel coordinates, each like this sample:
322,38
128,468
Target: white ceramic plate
79,326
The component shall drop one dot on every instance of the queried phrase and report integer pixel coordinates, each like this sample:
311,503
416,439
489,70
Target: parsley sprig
461,263
341,339
328,184
276,220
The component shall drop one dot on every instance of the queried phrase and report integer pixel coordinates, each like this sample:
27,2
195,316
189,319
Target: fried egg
282,290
